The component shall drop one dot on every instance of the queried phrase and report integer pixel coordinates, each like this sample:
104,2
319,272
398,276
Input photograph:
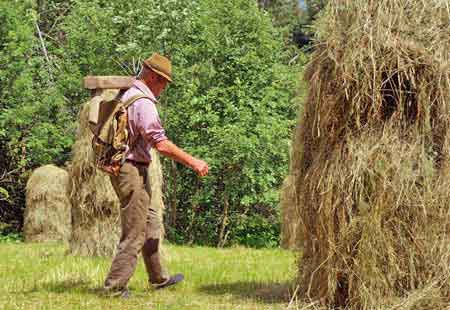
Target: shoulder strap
133,99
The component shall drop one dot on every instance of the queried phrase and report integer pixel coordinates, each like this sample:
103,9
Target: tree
313,8
237,108
34,128
285,15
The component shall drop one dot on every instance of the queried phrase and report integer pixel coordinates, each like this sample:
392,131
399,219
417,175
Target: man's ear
153,77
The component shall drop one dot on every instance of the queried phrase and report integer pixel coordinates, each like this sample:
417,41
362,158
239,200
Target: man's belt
137,163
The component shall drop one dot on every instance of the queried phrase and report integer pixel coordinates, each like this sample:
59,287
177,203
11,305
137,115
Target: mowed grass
43,276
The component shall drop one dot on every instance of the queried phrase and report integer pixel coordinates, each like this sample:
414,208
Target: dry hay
372,160
155,185
95,206
289,224
288,206
47,213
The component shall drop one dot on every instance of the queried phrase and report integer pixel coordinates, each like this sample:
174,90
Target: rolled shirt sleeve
148,122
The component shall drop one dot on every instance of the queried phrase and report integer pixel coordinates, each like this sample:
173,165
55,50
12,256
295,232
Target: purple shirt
144,125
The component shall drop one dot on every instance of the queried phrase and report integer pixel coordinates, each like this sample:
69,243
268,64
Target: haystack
372,174
288,206
289,224
95,206
47,213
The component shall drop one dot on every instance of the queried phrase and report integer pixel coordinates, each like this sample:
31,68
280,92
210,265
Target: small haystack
95,206
47,213
372,177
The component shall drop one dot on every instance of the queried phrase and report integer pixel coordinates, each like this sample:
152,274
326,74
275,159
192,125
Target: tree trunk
222,235
195,207
173,201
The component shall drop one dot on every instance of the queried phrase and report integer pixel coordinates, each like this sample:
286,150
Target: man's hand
200,167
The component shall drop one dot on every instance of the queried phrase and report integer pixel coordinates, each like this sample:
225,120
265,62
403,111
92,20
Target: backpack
108,121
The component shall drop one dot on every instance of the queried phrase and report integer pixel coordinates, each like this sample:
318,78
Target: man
141,225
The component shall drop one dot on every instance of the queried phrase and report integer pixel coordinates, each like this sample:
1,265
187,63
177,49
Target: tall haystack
47,213
371,177
95,206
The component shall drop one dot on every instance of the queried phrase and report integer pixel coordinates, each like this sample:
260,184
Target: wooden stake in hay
372,176
95,206
47,213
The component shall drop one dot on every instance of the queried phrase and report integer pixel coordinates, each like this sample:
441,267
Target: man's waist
139,155
137,163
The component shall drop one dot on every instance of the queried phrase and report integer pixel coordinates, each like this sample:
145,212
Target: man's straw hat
160,65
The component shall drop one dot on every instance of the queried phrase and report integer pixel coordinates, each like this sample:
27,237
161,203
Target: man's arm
169,149
149,126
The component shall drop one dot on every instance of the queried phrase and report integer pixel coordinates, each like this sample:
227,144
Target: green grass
42,276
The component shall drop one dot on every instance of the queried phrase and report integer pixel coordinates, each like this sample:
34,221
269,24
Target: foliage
295,19
11,238
309,16
235,95
34,126
255,231
231,103
285,14
37,122
4,195
314,7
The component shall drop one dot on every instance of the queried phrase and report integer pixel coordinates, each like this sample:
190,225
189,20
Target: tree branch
44,49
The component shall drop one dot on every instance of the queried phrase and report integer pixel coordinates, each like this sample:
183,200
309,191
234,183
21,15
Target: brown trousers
141,228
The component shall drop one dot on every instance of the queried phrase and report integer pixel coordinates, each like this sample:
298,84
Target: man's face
160,85
156,83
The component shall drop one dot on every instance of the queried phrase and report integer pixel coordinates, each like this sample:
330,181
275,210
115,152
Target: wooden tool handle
108,82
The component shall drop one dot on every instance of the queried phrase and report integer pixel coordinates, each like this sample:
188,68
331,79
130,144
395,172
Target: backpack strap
133,99
125,105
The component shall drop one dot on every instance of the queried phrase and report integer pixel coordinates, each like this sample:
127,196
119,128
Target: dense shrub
34,125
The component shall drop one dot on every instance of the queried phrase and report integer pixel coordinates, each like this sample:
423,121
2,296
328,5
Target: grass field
42,276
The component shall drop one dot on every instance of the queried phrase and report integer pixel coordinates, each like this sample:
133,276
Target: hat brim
168,78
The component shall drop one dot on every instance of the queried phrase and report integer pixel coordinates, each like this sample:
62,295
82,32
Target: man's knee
133,220
151,246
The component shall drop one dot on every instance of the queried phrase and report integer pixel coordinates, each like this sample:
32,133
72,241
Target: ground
42,276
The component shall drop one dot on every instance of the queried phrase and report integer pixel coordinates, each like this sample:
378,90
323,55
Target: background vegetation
233,104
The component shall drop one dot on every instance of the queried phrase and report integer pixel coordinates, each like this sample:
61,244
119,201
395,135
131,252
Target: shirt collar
144,88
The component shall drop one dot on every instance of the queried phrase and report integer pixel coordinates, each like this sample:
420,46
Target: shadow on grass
67,286
263,292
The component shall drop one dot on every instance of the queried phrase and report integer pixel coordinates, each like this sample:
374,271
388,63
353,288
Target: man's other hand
200,167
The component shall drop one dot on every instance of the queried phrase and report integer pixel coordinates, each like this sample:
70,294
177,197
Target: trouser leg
134,200
151,249
156,272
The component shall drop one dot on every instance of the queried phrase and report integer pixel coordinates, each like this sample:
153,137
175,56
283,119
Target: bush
11,238
34,126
